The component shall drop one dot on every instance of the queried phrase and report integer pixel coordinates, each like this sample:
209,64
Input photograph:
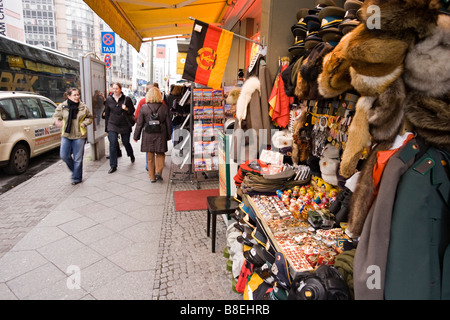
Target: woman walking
73,116
119,119
154,143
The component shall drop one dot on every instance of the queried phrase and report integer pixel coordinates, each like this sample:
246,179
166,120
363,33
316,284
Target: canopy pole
239,36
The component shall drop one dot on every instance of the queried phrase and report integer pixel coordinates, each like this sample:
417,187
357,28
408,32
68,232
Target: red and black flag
207,55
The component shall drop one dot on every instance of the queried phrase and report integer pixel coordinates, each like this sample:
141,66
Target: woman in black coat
155,144
119,119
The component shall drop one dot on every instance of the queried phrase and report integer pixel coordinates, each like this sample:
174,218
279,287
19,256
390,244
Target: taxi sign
108,42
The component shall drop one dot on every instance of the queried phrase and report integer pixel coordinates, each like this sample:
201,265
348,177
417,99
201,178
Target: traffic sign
108,42
108,61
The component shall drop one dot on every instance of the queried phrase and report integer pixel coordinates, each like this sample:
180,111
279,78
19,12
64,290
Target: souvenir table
288,222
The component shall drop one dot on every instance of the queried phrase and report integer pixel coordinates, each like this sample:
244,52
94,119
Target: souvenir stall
349,195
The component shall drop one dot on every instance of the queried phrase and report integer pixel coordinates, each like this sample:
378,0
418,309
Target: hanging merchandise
400,72
370,151
252,115
320,134
279,102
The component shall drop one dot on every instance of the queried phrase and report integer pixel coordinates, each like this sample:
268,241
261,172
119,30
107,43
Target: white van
26,129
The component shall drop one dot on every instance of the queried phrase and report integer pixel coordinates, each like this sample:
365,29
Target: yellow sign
181,60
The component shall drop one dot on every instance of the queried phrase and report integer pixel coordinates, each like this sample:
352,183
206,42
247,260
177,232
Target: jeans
113,146
72,153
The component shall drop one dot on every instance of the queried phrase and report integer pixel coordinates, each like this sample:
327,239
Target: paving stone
121,231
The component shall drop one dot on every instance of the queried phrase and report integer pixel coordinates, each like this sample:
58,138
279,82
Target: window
28,108
49,109
7,111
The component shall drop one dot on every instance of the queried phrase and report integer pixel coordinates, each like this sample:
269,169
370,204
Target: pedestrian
119,119
138,108
154,144
73,116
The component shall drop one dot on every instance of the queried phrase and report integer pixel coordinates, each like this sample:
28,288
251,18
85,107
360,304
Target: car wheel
19,160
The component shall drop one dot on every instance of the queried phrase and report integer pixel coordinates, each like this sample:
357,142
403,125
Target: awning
138,21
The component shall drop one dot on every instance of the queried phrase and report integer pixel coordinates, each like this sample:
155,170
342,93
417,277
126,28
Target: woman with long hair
119,119
73,116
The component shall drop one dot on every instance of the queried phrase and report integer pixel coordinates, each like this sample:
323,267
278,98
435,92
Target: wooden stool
218,205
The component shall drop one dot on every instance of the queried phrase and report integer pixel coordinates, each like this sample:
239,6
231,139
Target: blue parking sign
108,42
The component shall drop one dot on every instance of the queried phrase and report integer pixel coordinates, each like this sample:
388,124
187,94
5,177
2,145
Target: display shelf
304,247
208,121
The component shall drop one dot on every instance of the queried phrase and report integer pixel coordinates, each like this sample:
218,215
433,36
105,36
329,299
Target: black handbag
129,117
153,125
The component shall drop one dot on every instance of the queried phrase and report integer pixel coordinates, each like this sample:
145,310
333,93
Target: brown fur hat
335,77
427,65
302,88
430,117
402,19
374,55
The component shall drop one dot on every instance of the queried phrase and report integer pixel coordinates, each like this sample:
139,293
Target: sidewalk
114,236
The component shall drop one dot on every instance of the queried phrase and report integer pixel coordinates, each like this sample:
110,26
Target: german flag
207,55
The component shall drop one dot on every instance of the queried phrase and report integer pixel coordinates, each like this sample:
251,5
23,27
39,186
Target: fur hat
375,61
311,70
302,88
330,152
374,55
403,19
427,65
313,67
430,117
329,163
282,139
335,76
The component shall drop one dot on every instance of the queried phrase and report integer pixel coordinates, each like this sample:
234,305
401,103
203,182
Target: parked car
26,129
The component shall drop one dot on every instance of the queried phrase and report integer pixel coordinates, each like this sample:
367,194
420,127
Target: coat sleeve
130,106
139,125
58,115
88,118
107,113
168,125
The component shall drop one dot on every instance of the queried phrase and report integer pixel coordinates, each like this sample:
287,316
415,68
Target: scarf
73,110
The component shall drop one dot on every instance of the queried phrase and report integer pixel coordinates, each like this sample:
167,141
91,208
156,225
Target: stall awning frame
138,21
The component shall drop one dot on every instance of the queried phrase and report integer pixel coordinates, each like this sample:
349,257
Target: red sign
108,61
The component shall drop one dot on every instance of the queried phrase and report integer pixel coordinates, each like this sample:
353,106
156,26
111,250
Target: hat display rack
359,96
317,32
